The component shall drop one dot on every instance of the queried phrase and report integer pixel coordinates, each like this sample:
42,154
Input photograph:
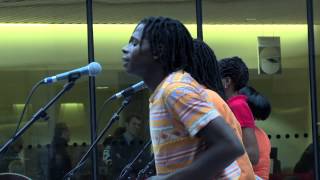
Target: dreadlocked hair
170,42
235,69
205,68
259,104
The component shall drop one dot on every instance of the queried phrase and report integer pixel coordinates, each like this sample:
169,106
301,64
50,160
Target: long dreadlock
170,42
236,69
205,68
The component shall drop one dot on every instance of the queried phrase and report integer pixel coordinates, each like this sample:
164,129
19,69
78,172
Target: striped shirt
178,111
243,161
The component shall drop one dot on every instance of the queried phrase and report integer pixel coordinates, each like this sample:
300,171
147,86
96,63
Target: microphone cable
34,88
102,107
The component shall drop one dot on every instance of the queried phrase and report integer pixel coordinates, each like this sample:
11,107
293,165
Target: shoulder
238,103
181,82
238,100
177,81
118,140
242,111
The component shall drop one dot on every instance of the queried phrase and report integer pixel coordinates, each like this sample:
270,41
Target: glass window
273,42
41,39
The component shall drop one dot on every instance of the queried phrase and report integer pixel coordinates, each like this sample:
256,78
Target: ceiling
130,11
55,51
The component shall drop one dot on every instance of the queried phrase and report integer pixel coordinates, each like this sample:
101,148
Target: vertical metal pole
199,19
313,87
92,92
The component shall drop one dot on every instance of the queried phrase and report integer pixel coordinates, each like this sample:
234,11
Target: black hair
235,69
170,42
259,104
205,68
131,117
60,128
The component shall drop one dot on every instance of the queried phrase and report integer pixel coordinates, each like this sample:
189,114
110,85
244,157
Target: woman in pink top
235,75
261,110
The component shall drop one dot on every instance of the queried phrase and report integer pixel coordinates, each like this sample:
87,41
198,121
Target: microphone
91,69
129,91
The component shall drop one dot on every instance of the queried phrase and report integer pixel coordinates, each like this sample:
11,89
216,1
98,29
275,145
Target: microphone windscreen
94,68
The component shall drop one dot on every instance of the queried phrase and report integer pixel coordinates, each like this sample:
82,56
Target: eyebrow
134,38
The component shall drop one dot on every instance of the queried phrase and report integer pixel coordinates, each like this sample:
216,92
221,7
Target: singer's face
137,57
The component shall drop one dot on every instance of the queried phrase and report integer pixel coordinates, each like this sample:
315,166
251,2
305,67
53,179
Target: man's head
234,72
206,69
133,125
62,131
158,42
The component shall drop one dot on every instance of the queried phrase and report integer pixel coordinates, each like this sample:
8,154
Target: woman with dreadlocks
189,137
235,76
206,72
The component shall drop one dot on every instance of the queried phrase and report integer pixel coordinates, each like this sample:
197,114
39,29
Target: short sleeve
243,114
186,104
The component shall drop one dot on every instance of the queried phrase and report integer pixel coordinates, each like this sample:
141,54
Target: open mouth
125,63
125,60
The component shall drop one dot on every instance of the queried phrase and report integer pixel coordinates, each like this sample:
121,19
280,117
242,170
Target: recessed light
251,19
102,87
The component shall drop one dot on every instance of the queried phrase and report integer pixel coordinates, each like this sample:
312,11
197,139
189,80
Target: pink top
240,108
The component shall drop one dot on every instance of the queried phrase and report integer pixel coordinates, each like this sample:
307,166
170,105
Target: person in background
304,168
108,142
206,72
125,146
11,160
261,109
59,158
190,139
235,75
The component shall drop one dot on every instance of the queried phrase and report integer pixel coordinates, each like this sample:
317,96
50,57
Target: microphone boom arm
40,114
113,119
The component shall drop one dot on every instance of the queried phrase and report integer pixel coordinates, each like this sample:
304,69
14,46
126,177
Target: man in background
124,148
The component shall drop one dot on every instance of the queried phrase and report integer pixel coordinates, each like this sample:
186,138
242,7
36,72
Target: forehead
138,31
135,120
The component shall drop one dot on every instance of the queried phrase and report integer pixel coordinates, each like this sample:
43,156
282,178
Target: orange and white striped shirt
178,111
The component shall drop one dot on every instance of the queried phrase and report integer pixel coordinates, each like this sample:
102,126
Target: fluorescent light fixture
102,87
72,105
72,112
18,106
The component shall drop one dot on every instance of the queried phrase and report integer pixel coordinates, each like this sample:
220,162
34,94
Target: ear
160,50
226,81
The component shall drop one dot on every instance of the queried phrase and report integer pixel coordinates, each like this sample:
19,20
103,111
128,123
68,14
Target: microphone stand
41,112
113,119
126,170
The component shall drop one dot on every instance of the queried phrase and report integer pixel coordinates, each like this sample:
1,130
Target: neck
230,93
153,80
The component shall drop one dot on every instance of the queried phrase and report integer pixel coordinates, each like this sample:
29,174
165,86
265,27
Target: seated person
13,154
